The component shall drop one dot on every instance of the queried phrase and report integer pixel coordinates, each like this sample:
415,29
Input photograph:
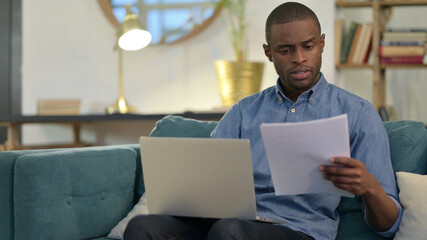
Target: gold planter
238,80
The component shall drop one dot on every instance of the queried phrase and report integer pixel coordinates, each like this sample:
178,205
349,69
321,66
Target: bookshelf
379,12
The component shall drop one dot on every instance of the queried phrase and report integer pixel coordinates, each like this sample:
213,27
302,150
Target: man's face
296,49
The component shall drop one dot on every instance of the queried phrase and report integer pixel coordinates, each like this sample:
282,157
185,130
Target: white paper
295,152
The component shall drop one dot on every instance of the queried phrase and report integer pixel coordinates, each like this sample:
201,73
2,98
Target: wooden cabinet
380,11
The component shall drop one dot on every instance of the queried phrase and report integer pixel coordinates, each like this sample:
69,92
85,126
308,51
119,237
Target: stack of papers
295,152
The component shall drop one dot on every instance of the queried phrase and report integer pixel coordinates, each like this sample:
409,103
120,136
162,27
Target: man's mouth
300,74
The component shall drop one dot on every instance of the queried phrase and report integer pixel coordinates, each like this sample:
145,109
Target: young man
295,45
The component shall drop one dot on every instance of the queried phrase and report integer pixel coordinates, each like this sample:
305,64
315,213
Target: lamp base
120,107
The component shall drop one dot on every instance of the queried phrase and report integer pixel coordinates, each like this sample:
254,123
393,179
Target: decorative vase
238,79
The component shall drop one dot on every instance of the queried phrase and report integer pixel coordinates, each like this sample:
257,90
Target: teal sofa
83,193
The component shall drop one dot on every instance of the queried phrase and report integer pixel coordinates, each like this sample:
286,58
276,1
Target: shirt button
311,100
293,110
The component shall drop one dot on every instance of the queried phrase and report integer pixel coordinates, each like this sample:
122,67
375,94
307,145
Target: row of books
404,46
353,43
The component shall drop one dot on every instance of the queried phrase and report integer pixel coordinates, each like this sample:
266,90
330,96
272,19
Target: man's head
295,46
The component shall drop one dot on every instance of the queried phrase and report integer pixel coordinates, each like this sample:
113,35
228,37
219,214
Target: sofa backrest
408,139
7,169
39,188
408,146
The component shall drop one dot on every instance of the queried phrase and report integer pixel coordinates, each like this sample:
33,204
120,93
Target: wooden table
14,123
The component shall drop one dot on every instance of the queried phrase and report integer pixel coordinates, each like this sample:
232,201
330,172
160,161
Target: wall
68,53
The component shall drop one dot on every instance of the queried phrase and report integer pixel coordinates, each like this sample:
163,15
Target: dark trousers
161,227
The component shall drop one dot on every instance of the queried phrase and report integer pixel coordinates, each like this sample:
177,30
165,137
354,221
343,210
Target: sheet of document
295,152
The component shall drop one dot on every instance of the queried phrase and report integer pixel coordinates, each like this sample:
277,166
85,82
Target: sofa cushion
177,126
140,208
65,194
408,146
413,195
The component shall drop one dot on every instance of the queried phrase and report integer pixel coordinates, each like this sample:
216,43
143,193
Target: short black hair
289,12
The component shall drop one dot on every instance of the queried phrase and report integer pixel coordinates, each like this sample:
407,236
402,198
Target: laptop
199,177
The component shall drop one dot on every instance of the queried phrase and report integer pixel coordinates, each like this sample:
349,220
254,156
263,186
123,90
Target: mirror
168,21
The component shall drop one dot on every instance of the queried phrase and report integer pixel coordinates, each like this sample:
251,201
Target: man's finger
346,161
339,170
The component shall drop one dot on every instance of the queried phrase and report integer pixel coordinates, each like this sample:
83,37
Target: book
396,51
406,29
354,43
402,60
338,38
402,43
405,36
366,45
358,49
345,48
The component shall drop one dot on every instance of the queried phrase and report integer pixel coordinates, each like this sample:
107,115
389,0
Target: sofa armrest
72,194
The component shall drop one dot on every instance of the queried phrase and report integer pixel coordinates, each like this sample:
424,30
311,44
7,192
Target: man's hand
351,175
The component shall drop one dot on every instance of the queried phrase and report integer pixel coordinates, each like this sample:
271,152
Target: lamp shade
133,36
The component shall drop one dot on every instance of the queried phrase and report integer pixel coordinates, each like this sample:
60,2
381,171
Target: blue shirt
313,214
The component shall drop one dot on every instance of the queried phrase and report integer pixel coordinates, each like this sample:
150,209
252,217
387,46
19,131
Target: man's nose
299,56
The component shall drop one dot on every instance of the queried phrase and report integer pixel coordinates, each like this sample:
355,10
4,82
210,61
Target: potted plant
239,78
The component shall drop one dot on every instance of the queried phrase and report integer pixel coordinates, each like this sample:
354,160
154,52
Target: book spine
402,60
405,36
406,30
362,41
347,42
368,51
366,46
354,43
339,37
392,51
402,43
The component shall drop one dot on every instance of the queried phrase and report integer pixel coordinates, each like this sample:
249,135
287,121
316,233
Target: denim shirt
313,214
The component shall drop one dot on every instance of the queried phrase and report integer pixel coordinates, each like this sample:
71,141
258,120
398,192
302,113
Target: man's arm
351,175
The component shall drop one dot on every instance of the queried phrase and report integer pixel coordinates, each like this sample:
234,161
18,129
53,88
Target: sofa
82,193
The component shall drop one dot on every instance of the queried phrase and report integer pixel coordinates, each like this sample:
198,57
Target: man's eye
308,47
283,51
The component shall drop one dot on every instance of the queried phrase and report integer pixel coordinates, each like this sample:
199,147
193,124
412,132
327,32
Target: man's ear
267,52
322,42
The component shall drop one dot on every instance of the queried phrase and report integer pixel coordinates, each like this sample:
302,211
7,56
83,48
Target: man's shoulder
346,97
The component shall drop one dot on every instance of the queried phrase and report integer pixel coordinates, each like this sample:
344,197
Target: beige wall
68,53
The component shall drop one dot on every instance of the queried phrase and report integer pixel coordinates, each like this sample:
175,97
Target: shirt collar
312,94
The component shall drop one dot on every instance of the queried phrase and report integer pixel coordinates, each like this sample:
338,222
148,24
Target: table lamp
132,38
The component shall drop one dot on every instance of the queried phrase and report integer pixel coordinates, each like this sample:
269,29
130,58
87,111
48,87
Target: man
295,46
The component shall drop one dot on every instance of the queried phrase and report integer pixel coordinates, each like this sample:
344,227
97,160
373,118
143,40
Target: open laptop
199,177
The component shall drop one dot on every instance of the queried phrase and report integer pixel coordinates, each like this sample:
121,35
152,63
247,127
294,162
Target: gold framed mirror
169,21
